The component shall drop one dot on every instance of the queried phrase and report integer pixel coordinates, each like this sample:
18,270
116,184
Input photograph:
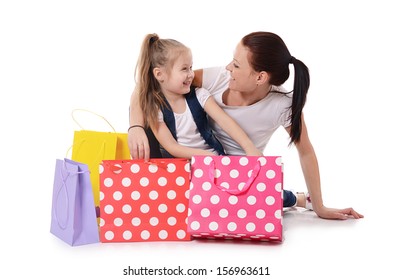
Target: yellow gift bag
91,147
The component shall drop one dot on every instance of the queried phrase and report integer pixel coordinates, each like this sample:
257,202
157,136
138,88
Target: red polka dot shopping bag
236,197
144,201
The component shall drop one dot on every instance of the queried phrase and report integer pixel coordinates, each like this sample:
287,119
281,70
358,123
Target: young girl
175,112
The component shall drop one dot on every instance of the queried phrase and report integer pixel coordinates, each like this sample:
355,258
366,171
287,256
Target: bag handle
84,110
116,168
63,186
254,174
63,226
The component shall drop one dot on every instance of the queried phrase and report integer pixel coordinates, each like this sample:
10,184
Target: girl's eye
235,65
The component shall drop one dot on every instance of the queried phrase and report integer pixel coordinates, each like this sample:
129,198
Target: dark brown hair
269,53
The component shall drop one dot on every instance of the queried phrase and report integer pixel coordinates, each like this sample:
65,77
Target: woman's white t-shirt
187,132
259,120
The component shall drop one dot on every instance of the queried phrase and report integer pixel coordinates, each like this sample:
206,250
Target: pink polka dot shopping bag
144,201
236,197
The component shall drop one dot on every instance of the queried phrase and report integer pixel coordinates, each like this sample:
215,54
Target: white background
56,56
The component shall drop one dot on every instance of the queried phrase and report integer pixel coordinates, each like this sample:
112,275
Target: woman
250,88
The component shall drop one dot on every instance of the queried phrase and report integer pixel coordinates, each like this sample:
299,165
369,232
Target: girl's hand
138,143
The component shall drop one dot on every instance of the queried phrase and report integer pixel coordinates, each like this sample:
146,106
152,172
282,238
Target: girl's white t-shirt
186,130
259,120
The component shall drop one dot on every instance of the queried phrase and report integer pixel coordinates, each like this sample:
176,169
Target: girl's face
243,77
178,79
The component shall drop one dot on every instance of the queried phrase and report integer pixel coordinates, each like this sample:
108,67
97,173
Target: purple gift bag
73,212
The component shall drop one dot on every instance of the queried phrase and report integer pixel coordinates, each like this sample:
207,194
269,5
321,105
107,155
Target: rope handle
63,226
83,140
254,174
91,112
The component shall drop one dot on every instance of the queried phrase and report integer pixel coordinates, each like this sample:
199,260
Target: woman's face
244,78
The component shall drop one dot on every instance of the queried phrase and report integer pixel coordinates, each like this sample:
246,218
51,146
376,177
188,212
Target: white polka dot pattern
227,207
144,201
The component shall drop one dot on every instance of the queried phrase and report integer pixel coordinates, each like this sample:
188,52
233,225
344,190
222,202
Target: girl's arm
231,127
309,164
169,143
137,139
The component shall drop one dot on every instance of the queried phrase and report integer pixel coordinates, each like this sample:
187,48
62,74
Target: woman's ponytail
300,89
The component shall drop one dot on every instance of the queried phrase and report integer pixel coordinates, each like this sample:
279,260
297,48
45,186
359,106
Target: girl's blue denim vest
201,121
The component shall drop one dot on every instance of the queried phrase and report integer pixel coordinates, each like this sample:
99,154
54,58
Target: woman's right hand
138,143
337,214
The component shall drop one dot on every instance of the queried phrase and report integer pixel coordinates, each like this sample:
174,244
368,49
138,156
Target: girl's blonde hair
155,52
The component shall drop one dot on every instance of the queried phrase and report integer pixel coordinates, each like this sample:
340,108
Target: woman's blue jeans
289,198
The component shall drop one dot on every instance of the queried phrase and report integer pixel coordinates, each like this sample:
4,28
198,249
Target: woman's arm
169,143
309,164
137,139
198,76
231,127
